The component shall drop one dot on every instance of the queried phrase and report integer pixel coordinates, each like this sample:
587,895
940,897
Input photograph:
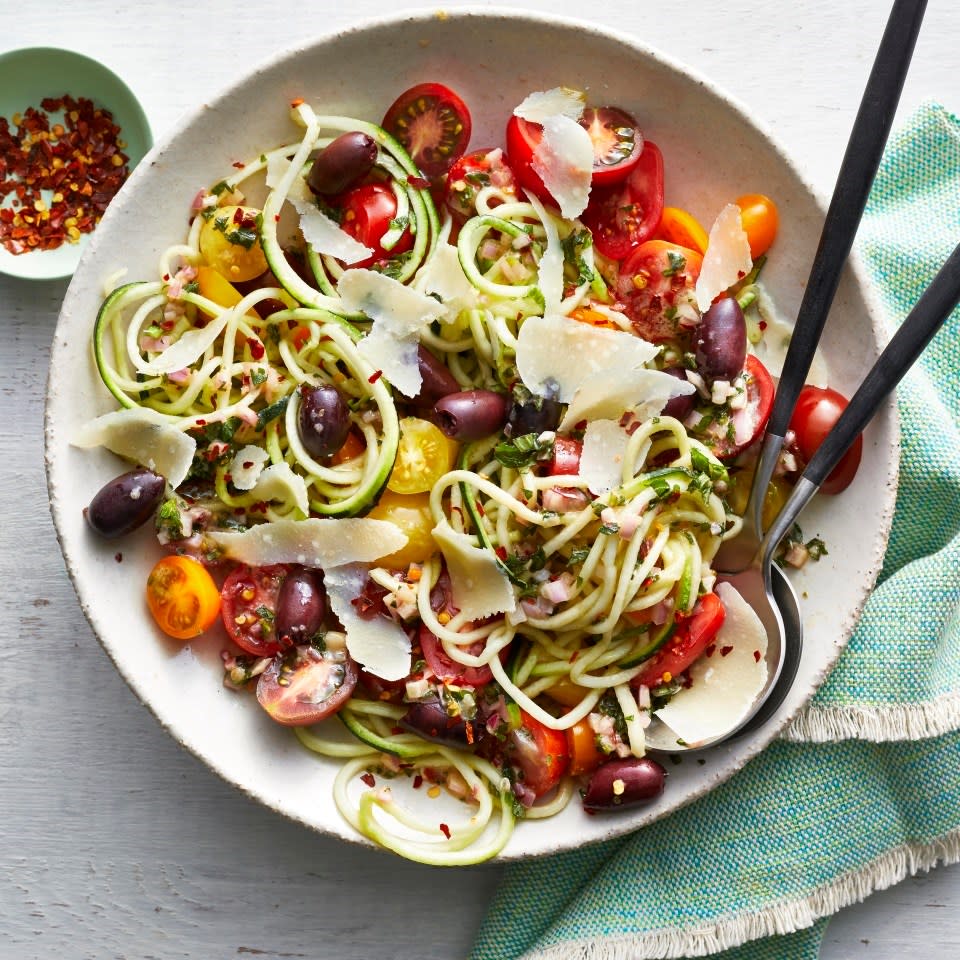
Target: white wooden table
116,843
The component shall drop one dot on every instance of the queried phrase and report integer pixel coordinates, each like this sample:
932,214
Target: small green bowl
26,78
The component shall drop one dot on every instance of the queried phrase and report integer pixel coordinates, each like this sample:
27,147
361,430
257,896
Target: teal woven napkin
864,787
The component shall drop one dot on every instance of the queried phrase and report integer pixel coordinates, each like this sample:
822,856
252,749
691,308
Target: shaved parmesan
142,436
400,314
724,686
379,644
727,259
479,585
562,101
247,465
443,275
564,161
555,354
550,268
322,233
317,542
280,483
607,394
601,462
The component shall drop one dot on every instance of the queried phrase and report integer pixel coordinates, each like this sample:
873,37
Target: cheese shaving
144,437
443,275
563,159
247,465
479,586
562,101
727,258
279,483
601,462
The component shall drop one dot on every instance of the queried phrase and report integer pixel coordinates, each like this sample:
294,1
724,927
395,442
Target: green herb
609,706
319,641
816,548
522,451
392,266
169,519
399,223
191,287
221,187
610,528
266,615
258,376
677,262
267,414
574,245
578,557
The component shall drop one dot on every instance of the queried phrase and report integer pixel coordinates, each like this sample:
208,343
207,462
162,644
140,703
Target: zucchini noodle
599,581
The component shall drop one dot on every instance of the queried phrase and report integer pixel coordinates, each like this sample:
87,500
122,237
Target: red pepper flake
238,164
418,183
417,782
711,650
51,168
373,378
368,779
118,557
445,830
756,656
277,217
479,507
762,324
298,101
201,423
247,464
468,729
725,651
257,349
501,553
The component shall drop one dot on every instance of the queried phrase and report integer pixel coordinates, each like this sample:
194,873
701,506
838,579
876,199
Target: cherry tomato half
729,437
433,124
760,220
538,753
617,143
565,459
817,410
585,756
424,455
368,211
472,172
249,606
304,686
182,597
622,216
656,286
411,513
694,634
679,226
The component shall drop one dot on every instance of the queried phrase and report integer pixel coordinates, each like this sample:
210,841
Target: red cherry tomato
694,634
472,172
565,459
522,139
446,668
367,214
539,754
304,686
617,143
656,286
730,436
622,216
248,606
433,124
817,410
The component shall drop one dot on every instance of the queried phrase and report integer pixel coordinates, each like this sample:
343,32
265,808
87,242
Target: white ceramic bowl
713,153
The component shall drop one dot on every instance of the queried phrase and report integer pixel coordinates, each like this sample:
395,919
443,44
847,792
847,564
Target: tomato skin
182,597
411,513
624,215
760,220
750,421
654,279
433,124
367,212
248,607
446,669
679,226
539,753
565,459
470,173
303,686
585,755
817,410
694,635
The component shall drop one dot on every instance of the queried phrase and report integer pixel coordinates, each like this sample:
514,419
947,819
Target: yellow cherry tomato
230,243
424,455
411,513
214,286
182,597
680,227
760,220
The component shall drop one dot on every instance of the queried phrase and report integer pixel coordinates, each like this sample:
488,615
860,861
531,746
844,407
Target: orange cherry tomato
760,220
352,448
182,597
582,744
678,226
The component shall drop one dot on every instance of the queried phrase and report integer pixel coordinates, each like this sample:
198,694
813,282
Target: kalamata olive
679,406
346,161
721,343
620,783
125,503
301,607
430,720
436,379
323,420
535,416
471,414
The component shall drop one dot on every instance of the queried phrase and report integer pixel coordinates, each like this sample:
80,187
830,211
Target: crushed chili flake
79,161
726,651
417,782
711,650
756,656
118,557
374,377
368,779
445,830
